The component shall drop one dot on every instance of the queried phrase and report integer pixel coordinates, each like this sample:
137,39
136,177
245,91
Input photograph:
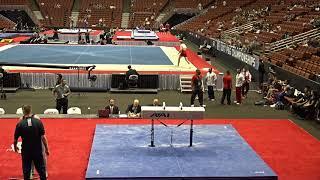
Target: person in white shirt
183,53
210,80
247,80
239,83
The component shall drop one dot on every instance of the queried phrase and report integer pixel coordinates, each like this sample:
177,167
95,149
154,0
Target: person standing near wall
197,88
61,92
210,80
262,71
239,83
227,87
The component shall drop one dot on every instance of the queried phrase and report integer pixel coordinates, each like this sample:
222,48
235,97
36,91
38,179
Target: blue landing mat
77,54
219,152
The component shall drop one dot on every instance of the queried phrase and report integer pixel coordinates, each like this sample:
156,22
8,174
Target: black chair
133,81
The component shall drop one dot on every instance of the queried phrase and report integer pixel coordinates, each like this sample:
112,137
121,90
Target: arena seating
55,12
95,10
142,10
303,61
5,23
191,4
14,2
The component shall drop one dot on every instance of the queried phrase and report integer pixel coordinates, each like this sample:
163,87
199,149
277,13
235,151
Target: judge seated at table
155,102
112,108
134,110
132,77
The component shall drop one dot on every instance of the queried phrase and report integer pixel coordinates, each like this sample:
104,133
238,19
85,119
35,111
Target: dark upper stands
55,12
94,10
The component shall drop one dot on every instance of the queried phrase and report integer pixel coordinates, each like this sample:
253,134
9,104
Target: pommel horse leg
152,134
191,133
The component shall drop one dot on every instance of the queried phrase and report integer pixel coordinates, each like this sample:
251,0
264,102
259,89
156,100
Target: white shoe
273,105
192,105
204,105
212,99
237,103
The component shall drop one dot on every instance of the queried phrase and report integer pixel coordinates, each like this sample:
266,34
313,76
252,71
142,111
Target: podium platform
219,152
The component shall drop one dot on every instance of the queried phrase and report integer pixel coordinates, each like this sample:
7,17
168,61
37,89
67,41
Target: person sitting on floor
301,100
205,47
112,108
307,110
134,109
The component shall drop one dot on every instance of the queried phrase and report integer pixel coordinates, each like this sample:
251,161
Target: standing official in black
32,132
61,93
197,88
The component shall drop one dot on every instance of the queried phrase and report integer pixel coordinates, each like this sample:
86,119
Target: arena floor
291,152
106,58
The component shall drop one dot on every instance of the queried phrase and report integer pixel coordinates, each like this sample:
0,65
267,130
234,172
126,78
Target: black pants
226,92
261,79
62,104
210,92
245,88
38,160
196,92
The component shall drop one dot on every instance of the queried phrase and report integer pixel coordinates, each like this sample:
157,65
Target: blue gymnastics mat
77,54
219,152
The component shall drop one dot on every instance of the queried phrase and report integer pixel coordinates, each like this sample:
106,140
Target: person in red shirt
197,88
227,87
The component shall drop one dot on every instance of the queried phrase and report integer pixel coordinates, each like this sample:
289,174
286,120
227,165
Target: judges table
170,112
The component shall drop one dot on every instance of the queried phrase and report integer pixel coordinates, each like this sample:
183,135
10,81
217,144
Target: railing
284,43
252,60
6,19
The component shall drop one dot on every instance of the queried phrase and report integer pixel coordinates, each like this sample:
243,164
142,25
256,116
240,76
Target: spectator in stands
247,80
197,88
183,52
167,26
224,3
61,92
59,79
227,87
261,71
239,83
32,132
134,110
210,80
161,28
200,7
112,108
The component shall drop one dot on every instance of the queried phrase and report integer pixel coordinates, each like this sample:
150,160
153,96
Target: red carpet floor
20,38
197,61
167,37
291,152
